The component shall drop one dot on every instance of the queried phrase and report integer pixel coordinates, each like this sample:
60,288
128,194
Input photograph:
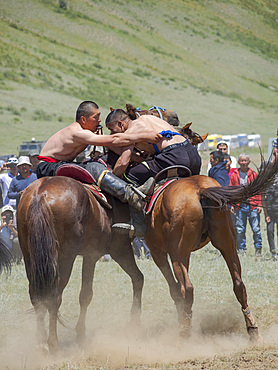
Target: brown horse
5,258
188,214
59,219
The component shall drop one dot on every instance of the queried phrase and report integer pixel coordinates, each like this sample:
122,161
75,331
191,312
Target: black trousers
177,154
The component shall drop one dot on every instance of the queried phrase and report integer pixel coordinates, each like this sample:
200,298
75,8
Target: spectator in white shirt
6,178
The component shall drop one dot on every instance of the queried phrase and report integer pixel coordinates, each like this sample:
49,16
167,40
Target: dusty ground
219,339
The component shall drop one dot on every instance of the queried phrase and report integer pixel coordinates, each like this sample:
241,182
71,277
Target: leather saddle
85,178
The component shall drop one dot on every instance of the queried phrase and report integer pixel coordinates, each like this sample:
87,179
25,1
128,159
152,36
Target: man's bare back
145,124
150,123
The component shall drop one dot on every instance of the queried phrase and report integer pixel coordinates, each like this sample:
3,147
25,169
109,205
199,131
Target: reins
158,109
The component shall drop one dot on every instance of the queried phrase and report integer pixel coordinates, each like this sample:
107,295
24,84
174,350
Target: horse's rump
42,207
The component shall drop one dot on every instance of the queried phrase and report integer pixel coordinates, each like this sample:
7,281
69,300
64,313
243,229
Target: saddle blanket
157,191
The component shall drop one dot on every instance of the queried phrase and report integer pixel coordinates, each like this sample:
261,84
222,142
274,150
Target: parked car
27,146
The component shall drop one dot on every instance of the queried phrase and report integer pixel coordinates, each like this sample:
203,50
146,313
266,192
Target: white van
254,140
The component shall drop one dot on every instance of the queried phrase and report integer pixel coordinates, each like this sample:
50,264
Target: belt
184,143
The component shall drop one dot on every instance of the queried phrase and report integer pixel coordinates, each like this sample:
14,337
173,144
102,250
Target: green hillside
214,62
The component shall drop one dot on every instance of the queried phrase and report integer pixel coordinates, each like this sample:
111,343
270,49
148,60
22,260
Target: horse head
133,112
192,136
167,115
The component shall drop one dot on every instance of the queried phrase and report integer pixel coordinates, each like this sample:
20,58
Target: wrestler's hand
155,137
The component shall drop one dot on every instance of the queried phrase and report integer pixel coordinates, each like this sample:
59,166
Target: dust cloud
113,344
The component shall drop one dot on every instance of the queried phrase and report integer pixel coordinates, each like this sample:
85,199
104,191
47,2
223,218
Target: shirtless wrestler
172,150
67,143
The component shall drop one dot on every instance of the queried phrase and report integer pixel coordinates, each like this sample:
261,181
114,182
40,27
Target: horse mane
223,196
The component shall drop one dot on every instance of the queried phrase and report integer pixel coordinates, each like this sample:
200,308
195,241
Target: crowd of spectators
15,175
222,168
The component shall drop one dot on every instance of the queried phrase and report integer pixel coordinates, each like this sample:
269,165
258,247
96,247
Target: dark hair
116,115
218,155
226,155
85,109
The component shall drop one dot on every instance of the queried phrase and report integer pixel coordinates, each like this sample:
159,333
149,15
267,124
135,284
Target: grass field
213,62
219,337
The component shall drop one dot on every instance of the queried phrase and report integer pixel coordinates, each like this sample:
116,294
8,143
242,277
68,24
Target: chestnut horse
186,216
59,219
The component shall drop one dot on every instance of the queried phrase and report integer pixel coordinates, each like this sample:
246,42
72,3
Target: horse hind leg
54,300
161,260
223,238
41,333
41,307
180,268
85,297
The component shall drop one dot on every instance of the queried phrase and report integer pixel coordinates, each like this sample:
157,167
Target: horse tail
43,248
232,195
5,258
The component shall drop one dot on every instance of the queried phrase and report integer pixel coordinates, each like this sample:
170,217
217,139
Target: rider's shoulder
146,120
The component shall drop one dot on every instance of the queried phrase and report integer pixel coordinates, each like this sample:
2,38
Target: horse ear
111,109
204,136
130,109
187,125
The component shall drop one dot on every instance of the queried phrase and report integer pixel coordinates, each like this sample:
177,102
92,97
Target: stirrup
125,229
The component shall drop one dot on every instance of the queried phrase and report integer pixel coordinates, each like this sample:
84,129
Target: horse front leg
122,253
85,297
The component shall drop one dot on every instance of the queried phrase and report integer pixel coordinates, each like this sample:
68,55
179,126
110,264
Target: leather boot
136,197
107,181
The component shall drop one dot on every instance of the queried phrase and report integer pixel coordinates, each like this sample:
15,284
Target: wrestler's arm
123,161
135,157
120,139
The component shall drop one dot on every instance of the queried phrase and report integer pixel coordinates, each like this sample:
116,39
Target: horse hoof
83,343
185,333
42,348
254,336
